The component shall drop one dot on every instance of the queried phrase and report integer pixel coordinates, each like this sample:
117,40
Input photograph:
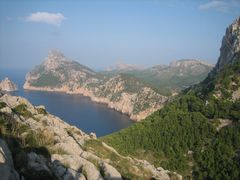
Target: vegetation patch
21,109
21,140
122,164
46,79
2,105
42,111
187,124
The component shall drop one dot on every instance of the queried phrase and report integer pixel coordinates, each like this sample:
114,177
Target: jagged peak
56,55
230,49
54,59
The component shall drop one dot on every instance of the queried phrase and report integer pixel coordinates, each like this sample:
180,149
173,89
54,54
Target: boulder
110,172
7,170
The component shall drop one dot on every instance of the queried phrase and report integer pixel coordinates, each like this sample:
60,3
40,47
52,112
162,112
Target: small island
7,85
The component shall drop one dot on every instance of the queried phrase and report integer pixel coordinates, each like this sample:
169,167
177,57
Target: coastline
123,107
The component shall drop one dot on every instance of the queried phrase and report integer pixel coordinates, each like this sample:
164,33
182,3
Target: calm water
74,109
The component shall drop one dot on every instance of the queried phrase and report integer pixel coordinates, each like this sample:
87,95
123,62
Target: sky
101,33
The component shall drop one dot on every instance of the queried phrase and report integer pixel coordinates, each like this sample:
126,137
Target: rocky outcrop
123,93
7,170
55,149
8,85
230,49
110,172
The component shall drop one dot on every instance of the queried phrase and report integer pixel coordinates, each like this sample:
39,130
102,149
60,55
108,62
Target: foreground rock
7,171
49,148
7,85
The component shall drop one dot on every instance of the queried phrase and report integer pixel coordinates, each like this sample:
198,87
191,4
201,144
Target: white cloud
221,5
45,17
216,5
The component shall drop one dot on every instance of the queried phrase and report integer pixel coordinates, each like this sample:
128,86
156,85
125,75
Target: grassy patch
21,109
21,140
123,165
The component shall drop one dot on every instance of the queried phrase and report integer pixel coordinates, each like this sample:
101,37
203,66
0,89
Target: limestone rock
7,171
110,172
6,110
79,165
8,85
93,135
37,162
230,49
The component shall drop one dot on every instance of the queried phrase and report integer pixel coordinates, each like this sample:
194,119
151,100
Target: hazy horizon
99,34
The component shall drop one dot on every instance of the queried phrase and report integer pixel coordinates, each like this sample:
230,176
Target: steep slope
8,85
37,145
170,79
59,72
122,92
198,133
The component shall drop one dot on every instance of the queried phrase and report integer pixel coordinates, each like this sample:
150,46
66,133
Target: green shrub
41,111
22,110
46,79
2,105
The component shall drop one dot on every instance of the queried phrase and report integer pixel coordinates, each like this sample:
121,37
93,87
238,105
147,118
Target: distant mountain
198,133
121,68
124,93
57,71
124,67
169,79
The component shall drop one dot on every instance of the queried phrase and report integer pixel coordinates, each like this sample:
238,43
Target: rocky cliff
37,145
8,85
122,92
230,49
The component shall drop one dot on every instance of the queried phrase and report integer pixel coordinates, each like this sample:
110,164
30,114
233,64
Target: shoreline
98,103
86,93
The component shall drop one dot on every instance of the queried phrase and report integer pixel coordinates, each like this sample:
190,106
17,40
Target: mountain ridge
169,79
122,93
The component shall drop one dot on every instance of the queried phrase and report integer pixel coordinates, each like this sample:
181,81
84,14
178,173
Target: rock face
121,92
7,170
8,85
45,147
230,49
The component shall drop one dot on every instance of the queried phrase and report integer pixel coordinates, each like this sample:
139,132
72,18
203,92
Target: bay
76,110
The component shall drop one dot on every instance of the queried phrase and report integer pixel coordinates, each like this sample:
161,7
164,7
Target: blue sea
74,109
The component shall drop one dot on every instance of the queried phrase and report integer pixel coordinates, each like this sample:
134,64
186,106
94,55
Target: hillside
198,133
124,93
37,145
169,79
